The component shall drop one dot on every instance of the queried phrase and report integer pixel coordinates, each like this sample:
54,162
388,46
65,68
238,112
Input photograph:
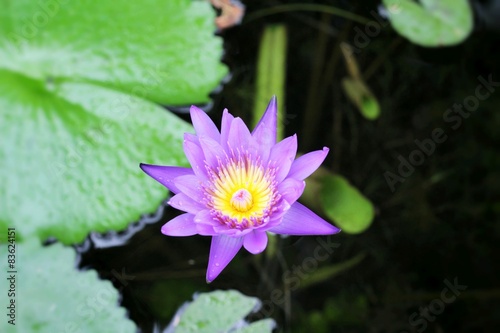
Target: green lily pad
219,311
77,113
51,296
432,22
345,205
70,163
164,51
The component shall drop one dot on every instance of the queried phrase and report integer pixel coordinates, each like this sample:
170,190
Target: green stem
271,73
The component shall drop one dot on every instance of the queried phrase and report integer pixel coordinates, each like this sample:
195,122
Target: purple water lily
241,186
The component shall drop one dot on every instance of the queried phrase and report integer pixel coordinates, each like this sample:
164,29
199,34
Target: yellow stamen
241,190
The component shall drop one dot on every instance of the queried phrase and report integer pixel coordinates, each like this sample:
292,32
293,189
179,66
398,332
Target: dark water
439,226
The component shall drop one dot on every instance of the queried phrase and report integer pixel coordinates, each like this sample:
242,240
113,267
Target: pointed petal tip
334,230
148,168
301,221
306,164
203,124
222,250
194,108
212,275
144,166
265,131
273,104
180,226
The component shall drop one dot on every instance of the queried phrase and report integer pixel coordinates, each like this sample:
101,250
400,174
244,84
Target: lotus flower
241,186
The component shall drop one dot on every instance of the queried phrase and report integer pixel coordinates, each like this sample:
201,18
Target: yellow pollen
242,200
241,190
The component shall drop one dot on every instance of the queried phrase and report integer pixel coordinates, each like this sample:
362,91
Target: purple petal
182,225
206,224
183,202
191,138
277,216
282,156
291,189
205,230
265,131
227,120
300,221
191,186
203,125
255,242
306,164
239,138
204,217
195,157
223,229
166,174
222,251
212,150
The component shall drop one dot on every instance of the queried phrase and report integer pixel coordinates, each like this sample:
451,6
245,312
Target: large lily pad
219,311
164,51
52,296
432,22
71,132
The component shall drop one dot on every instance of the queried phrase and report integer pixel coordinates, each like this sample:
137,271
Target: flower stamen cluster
241,192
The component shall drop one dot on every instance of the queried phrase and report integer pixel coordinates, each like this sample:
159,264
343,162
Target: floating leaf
74,118
219,311
432,22
361,96
345,205
70,164
51,296
164,51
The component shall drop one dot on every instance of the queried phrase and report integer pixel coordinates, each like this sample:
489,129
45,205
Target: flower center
241,192
242,200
